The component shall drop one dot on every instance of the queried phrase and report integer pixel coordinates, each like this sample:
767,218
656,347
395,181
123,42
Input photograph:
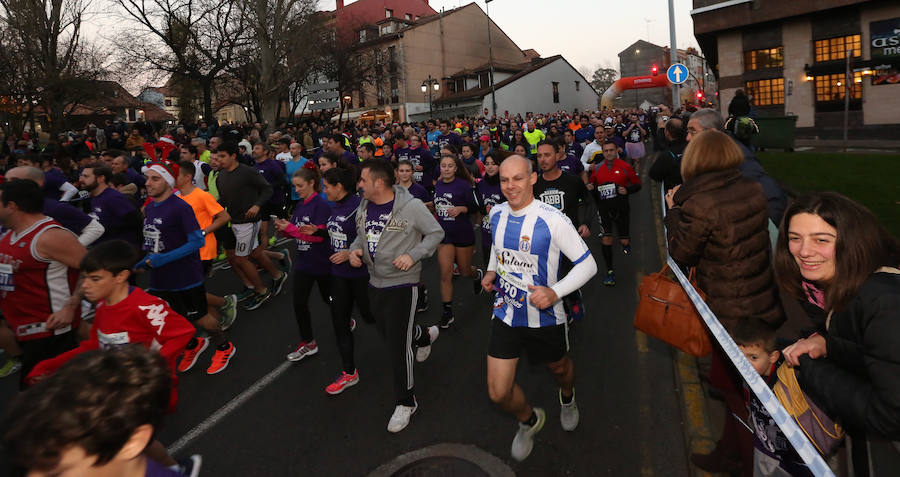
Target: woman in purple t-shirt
454,202
311,266
489,195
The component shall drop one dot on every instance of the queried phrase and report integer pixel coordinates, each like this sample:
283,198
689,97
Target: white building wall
534,92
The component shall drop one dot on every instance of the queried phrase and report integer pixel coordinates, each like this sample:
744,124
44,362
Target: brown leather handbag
665,312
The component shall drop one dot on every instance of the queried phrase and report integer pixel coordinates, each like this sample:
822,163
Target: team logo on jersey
525,243
554,197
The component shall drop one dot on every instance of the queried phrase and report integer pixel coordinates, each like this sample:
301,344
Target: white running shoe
400,418
524,440
423,352
568,413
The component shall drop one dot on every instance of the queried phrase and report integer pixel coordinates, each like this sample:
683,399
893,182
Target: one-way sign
677,73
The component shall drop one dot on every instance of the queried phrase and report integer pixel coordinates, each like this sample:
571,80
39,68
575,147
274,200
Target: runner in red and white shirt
39,262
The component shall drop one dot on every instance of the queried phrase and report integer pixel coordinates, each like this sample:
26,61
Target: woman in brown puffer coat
718,222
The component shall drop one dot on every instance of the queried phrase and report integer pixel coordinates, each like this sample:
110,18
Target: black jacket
858,383
667,166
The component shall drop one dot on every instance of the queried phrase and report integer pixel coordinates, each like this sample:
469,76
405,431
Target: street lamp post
430,85
673,54
491,58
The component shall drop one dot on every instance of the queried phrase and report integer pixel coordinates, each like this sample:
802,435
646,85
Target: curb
694,409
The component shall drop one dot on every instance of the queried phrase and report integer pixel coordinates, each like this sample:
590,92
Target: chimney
340,4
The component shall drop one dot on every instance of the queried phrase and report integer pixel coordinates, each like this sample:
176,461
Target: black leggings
303,284
344,293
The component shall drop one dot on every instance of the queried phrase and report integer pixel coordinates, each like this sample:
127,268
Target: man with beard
118,216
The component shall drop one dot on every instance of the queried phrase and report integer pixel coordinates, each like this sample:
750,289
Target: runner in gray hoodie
395,231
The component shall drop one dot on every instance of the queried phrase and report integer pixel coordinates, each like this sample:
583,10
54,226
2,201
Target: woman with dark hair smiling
836,259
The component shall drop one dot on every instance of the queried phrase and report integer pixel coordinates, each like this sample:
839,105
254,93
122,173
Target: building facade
406,52
820,60
541,85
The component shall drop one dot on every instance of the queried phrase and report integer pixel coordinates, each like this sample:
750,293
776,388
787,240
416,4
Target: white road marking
228,408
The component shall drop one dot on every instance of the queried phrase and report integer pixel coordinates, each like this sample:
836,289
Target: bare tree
354,66
193,39
45,61
284,47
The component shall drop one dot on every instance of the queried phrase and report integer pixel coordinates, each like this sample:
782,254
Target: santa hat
168,170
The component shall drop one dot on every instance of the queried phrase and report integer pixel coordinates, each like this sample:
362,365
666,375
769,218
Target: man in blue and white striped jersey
529,240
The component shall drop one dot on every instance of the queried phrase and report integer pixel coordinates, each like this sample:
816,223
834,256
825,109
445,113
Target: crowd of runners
87,219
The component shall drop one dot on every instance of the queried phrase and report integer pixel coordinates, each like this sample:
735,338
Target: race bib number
153,240
302,246
417,176
6,278
372,240
486,223
112,339
443,210
607,191
338,240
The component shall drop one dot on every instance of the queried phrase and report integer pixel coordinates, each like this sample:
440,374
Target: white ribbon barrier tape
784,421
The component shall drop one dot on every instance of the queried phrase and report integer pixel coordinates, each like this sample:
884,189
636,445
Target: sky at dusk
587,32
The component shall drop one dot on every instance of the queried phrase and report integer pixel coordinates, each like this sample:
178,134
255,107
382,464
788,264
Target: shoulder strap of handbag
891,270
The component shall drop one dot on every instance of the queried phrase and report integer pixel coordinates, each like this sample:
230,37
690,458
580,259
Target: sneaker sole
196,357
233,351
344,387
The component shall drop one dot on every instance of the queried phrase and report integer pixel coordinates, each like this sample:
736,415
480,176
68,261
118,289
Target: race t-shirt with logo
377,217
420,158
566,193
449,138
342,232
634,135
312,251
115,213
447,195
167,225
489,195
528,247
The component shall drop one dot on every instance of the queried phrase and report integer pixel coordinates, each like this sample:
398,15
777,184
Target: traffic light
699,95
654,70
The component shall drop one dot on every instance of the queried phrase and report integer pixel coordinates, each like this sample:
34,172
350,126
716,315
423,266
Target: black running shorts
542,345
190,303
614,217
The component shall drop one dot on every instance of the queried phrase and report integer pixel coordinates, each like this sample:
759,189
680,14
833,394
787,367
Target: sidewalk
838,144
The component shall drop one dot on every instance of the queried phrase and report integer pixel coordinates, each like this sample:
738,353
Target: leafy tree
603,78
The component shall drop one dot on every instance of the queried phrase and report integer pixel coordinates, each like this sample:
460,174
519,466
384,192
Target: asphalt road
284,424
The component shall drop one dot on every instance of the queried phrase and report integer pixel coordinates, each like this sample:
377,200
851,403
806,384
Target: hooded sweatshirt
410,228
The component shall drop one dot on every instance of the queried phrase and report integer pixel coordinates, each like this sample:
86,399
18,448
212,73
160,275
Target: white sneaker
524,440
423,352
400,418
568,413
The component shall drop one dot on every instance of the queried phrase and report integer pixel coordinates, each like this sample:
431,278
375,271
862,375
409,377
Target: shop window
767,58
555,91
836,48
767,92
832,87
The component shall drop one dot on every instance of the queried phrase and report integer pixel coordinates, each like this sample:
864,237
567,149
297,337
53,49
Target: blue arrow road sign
677,73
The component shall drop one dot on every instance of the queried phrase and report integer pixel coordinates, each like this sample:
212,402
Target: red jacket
139,318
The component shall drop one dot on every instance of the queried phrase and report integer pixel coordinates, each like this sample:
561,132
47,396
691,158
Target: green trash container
776,132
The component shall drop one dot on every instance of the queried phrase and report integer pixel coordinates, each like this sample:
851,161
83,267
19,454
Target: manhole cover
446,459
440,466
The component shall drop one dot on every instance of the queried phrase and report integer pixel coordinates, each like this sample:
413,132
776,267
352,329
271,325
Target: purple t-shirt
455,193
111,208
419,157
489,195
342,232
167,225
572,162
157,470
67,215
419,192
449,138
312,257
53,180
273,172
377,217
